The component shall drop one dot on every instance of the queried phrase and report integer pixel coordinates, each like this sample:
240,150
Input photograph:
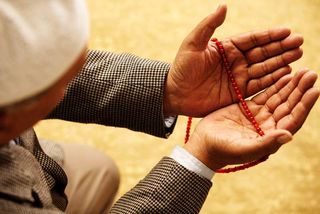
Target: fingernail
284,139
305,68
219,6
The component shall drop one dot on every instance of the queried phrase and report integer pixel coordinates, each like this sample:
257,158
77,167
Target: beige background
288,182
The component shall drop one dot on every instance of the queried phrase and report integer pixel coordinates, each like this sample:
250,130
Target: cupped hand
197,83
227,137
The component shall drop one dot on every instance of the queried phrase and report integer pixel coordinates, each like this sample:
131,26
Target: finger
201,35
257,38
261,53
261,146
270,65
306,82
282,95
293,121
261,98
262,83
276,93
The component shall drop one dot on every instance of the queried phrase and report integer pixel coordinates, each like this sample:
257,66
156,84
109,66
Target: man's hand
227,137
198,84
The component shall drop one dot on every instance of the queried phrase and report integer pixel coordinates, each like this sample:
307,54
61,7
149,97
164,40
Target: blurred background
288,182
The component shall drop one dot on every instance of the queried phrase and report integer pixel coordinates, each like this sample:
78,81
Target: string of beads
244,106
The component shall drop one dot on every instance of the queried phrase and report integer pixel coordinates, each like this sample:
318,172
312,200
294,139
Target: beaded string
245,108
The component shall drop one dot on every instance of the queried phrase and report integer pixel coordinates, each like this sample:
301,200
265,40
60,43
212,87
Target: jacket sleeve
168,188
120,90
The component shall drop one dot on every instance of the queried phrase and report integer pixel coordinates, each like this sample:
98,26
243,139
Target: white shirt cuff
190,162
169,121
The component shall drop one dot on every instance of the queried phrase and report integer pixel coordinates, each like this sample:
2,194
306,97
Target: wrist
197,147
170,98
191,163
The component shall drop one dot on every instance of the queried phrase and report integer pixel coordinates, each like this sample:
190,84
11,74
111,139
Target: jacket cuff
168,188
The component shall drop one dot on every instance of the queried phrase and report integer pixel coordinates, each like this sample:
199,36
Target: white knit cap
39,41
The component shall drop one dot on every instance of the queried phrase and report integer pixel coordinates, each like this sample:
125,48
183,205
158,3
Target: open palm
229,137
198,84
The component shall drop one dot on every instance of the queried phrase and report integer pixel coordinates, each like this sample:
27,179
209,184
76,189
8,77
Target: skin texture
227,137
197,83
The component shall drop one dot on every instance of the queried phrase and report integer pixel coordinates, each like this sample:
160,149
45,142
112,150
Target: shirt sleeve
190,162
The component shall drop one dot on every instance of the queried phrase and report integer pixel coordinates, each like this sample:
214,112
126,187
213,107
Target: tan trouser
93,179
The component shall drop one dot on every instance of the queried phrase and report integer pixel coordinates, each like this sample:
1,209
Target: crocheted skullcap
39,41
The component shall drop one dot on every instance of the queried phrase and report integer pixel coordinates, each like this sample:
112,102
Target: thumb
201,35
267,144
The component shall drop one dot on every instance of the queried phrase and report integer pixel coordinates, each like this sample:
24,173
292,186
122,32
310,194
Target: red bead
188,130
244,105
233,84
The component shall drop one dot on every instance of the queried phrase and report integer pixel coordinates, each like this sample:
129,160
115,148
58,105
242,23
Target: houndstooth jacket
112,89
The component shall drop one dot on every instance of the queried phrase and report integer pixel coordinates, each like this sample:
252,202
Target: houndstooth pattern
125,91
54,176
33,183
169,188
119,90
